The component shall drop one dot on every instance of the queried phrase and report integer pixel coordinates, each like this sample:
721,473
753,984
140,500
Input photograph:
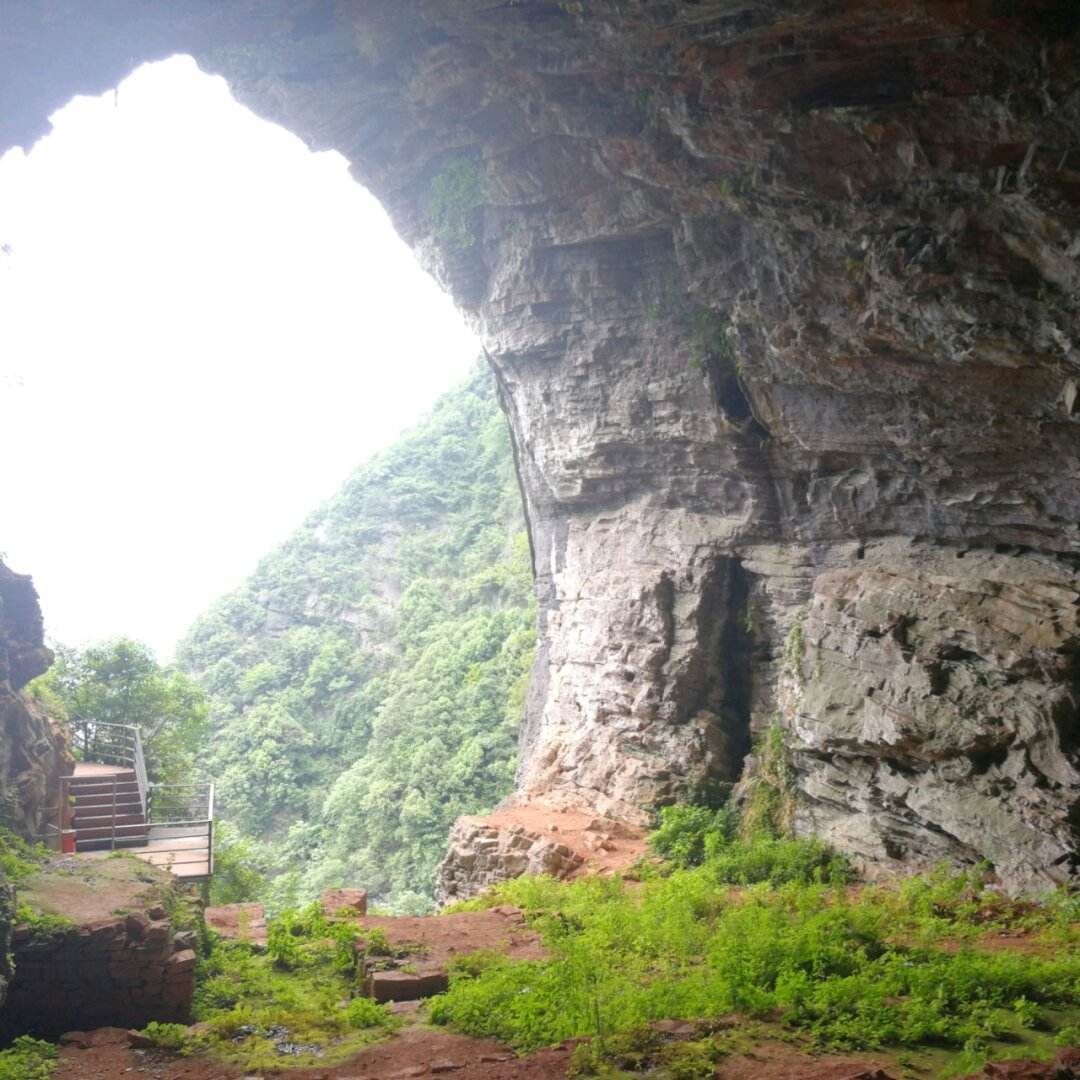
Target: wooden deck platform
186,857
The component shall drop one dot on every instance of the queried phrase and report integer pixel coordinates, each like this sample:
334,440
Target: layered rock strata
482,854
771,291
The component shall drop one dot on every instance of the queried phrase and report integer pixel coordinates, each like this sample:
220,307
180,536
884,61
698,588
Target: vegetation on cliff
367,680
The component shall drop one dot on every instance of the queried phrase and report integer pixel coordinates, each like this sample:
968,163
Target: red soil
414,1052
419,1052
442,937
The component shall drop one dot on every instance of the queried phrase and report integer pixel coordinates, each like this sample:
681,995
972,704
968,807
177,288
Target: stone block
179,963
344,902
405,986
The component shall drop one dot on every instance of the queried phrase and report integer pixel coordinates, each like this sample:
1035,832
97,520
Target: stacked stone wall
121,972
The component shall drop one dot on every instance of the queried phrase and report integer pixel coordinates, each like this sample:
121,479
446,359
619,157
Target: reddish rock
238,922
344,902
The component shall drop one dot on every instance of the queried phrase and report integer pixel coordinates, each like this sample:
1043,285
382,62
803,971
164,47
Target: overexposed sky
203,328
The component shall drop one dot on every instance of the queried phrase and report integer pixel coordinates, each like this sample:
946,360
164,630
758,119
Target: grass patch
18,859
294,1004
769,928
27,1059
41,925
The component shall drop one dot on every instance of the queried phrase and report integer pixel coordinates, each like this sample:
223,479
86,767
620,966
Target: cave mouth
196,307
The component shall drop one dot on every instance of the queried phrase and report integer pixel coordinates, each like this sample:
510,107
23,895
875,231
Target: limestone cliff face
782,299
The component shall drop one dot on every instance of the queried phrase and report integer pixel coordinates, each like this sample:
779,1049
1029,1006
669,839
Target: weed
171,1037
18,859
769,805
795,647
685,833
365,1013
39,924
709,332
299,993
686,946
1068,1035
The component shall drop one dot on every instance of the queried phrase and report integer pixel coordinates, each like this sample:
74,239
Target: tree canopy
121,682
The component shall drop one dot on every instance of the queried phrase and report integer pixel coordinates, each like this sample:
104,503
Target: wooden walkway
184,850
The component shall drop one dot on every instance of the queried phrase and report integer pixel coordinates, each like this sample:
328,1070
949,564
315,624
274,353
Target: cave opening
214,325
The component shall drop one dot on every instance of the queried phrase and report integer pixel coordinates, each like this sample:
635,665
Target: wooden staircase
108,811
108,804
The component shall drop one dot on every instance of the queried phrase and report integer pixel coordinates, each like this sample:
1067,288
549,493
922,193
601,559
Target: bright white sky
203,328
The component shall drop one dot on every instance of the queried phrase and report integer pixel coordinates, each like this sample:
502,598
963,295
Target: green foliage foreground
293,1004
27,1059
843,969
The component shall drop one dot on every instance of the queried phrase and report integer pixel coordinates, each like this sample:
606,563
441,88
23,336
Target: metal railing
109,744
181,823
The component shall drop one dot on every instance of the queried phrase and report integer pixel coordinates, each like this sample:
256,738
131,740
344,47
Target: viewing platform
107,804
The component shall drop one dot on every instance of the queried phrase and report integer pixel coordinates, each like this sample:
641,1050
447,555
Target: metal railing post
112,844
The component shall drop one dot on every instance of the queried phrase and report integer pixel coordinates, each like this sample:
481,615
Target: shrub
173,1037
686,833
364,1013
686,946
27,1059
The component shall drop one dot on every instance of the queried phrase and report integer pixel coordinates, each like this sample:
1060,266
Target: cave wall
34,753
782,302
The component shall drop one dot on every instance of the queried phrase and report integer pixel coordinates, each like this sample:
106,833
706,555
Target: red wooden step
127,786
123,798
107,844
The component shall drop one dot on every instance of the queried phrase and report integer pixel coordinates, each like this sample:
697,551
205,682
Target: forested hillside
367,680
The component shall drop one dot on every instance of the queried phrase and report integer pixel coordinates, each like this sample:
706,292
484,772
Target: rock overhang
773,292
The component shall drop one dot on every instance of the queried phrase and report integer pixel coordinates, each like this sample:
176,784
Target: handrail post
112,843
210,832
139,765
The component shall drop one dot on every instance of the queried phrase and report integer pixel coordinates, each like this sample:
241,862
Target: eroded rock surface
533,839
33,750
765,285
932,699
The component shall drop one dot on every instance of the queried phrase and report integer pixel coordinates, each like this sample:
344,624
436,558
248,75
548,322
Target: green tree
121,682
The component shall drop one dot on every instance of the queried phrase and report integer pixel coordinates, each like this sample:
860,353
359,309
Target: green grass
300,993
842,969
27,1059
41,925
18,859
